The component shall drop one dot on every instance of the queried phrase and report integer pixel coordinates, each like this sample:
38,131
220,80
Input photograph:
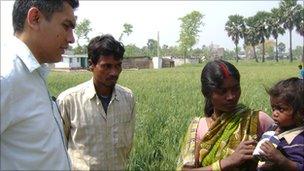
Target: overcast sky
149,17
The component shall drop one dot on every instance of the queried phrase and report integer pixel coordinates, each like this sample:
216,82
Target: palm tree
235,27
299,23
289,9
261,20
275,28
250,38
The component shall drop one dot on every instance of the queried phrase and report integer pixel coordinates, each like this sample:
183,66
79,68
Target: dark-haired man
99,114
32,136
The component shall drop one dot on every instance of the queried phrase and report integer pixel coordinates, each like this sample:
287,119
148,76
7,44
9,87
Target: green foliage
235,28
275,27
82,30
273,22
132,50
262,31
228,55
190,27
289,9
152,46
299,20
127,30
251,31
167,99
299,23
297,52
268,48
80,49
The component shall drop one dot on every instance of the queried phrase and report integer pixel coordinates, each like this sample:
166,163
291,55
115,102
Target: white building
72,62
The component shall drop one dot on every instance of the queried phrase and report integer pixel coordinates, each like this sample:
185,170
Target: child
287,102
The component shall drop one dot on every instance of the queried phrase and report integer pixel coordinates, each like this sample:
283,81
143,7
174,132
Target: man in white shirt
32,136
99,115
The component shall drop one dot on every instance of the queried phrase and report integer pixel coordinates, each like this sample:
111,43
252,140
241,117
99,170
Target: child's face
282,113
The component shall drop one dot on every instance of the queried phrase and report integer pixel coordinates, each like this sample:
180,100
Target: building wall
167,63
139,63
75,62
181,61
68,62
63,64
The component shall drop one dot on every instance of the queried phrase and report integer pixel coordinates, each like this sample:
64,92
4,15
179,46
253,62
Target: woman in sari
225,137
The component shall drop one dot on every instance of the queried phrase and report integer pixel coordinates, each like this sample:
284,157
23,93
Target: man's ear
90,63
33,18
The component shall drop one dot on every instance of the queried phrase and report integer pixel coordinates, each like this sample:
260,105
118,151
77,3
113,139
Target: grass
167,99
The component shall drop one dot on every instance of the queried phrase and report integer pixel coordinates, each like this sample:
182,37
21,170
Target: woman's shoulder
202,128
264,118
265,122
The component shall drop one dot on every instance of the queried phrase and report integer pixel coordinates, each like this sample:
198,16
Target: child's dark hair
212,77
291,91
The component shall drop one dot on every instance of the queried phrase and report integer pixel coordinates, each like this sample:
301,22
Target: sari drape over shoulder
224,135
188,146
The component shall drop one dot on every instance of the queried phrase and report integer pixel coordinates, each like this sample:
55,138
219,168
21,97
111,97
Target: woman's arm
241,154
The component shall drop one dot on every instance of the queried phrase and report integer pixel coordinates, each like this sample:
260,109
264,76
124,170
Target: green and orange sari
224,135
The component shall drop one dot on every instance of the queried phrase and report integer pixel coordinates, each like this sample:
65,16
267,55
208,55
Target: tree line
255,31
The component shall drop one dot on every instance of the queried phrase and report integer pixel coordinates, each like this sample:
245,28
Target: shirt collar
25,54
91,92
44,70
291,134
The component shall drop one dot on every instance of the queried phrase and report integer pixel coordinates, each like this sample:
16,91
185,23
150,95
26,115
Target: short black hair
47,8
104,45
212,77
291,91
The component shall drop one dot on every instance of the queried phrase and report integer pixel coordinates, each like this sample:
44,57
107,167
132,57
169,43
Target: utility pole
158,54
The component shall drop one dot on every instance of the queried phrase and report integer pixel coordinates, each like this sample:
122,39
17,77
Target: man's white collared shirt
32,136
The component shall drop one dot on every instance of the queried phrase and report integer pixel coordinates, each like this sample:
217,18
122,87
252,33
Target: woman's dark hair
104,45
212,77
47,8
291,91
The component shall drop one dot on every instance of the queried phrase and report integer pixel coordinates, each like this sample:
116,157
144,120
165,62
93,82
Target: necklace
213,117
210,120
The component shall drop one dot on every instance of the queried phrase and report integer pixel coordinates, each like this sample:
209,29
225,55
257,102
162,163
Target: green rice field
167,99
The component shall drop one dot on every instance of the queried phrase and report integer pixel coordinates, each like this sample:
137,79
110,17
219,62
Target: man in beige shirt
99,115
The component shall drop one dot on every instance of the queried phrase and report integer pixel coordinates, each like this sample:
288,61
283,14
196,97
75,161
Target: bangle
216,166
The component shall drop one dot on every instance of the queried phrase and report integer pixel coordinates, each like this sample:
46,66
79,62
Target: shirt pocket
123,133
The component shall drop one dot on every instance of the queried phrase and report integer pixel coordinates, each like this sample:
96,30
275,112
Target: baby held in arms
282,147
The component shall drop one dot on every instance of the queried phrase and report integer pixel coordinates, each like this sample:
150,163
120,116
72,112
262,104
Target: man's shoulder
74,91
123,90
10,65
13,71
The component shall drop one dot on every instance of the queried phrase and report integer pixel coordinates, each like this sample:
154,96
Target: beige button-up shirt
96,140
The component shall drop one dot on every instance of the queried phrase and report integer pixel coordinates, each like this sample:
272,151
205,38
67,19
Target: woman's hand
242,153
